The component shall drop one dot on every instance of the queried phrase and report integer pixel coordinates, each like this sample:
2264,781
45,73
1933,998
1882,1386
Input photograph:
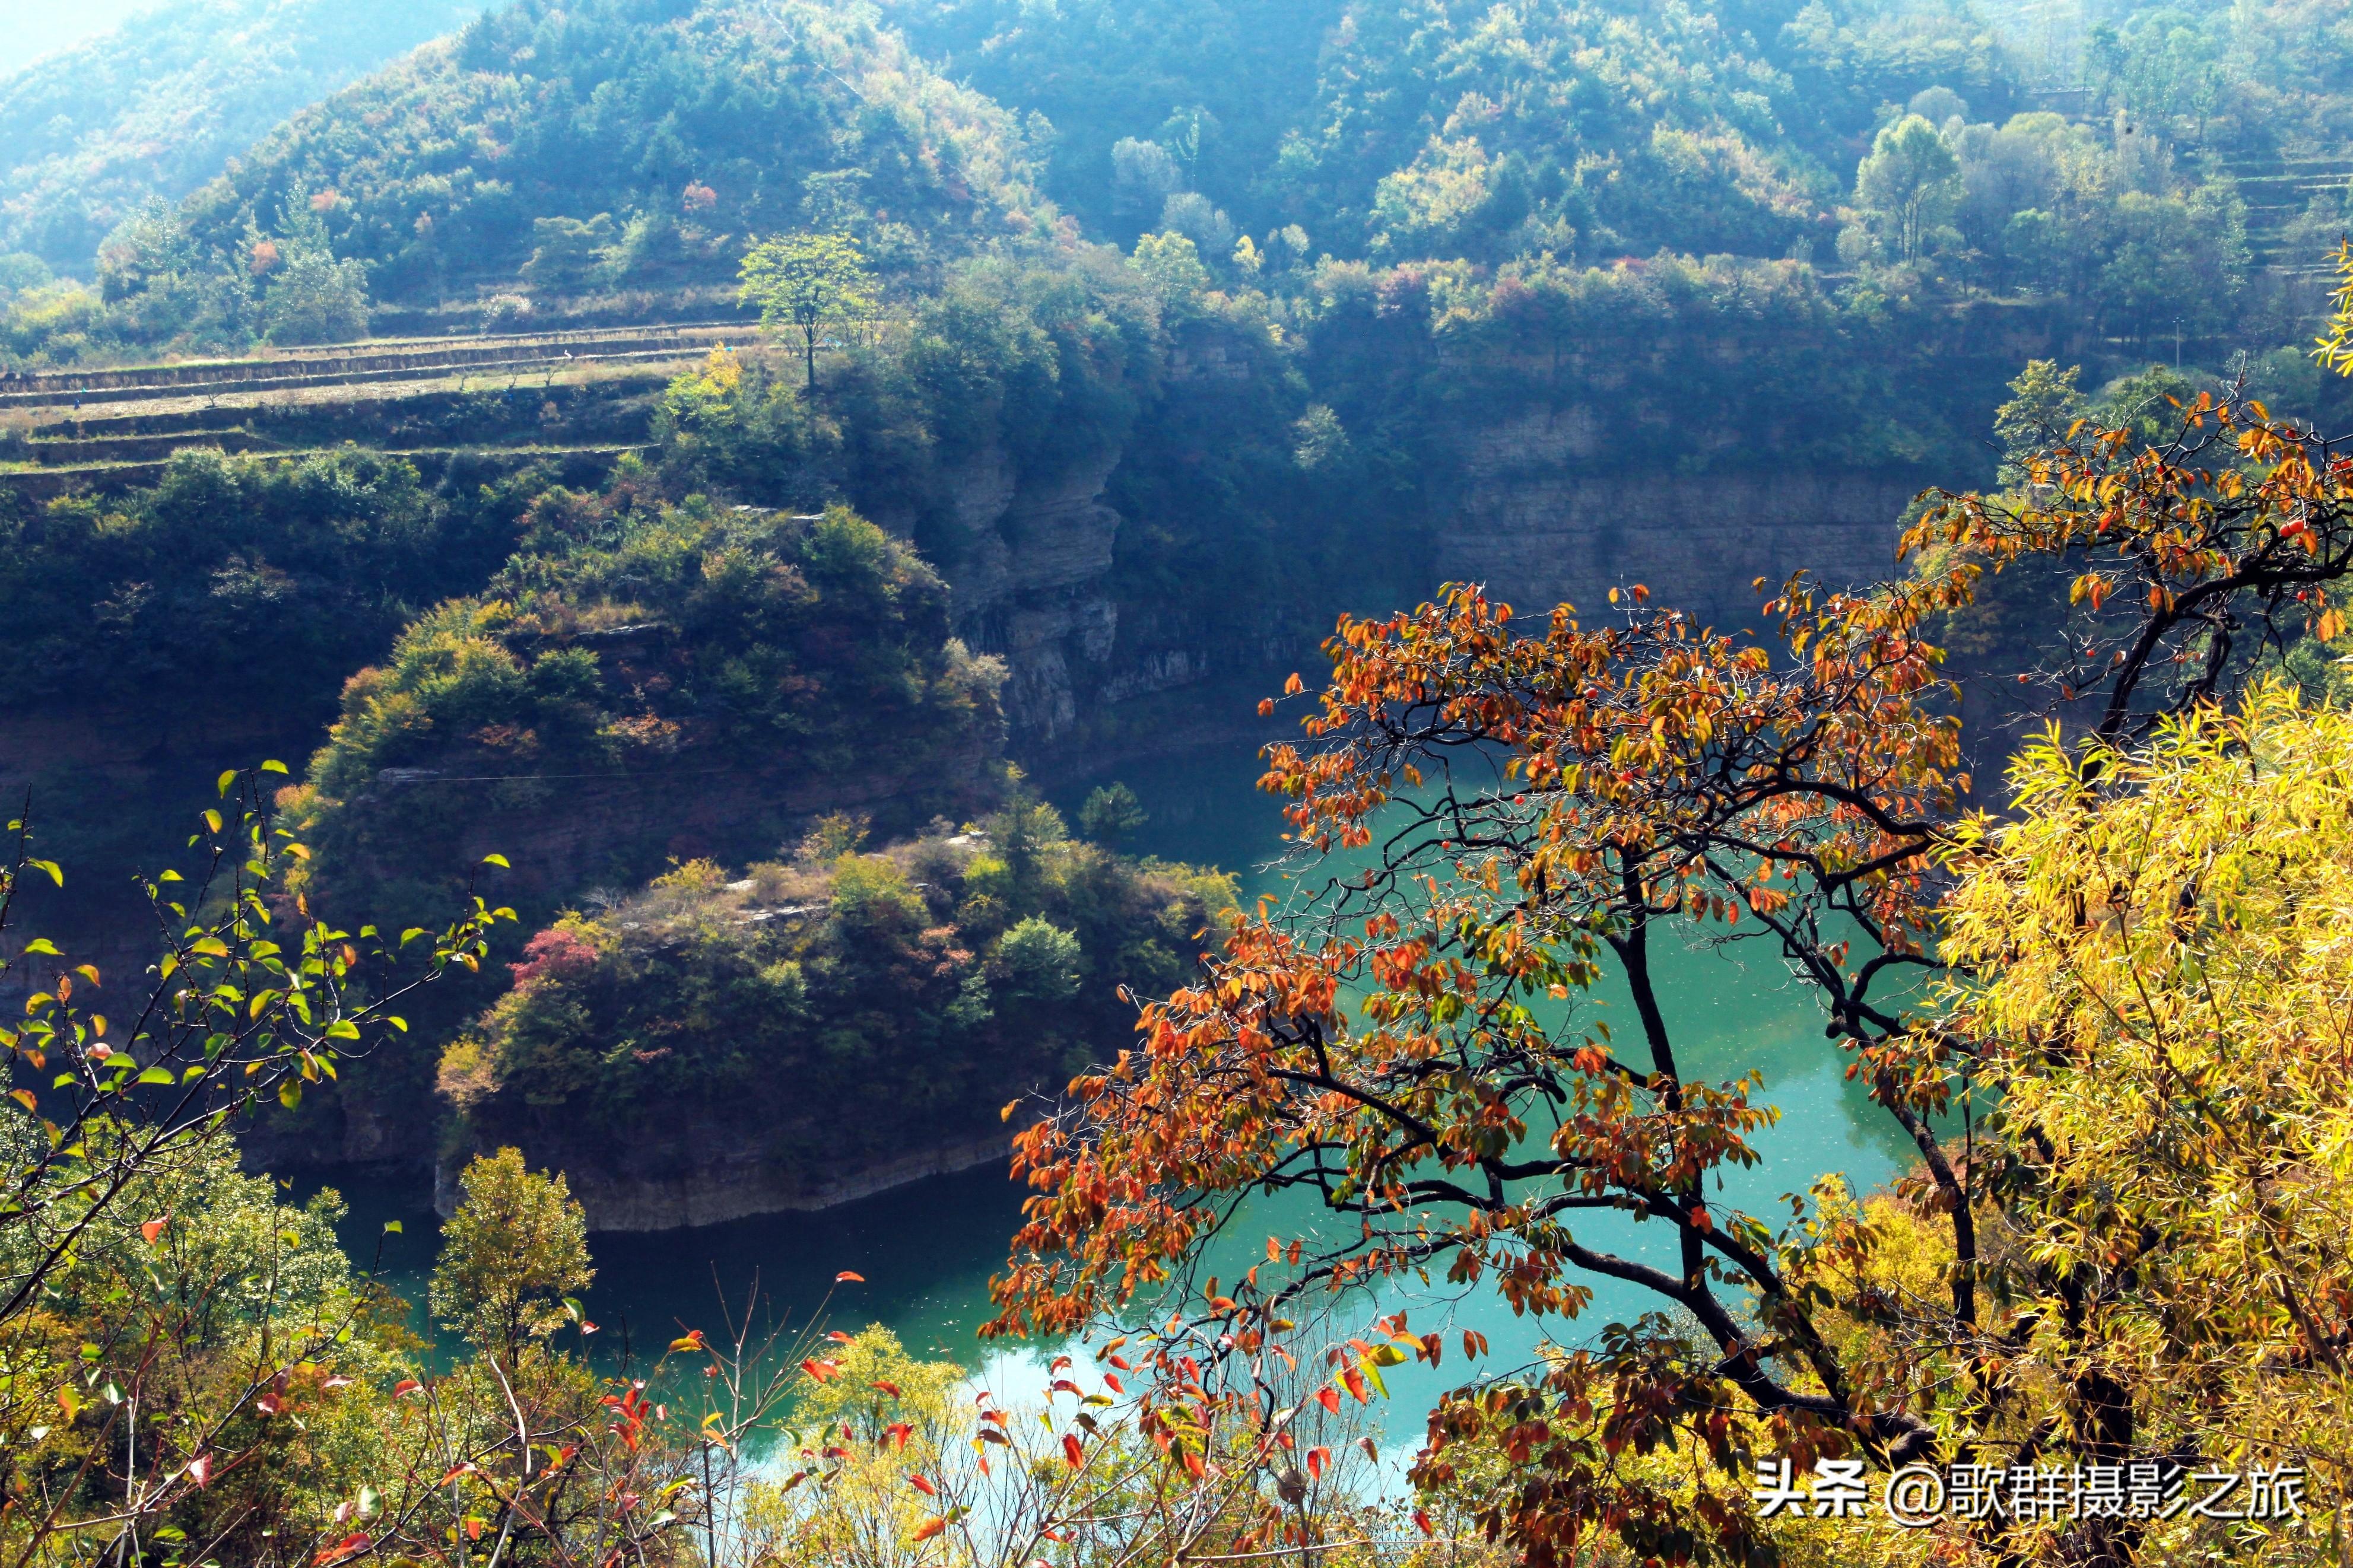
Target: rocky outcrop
1032,584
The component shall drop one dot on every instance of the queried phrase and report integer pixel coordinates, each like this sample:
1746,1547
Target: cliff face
1527,505
730,1185
1032,587
1533,521
114,793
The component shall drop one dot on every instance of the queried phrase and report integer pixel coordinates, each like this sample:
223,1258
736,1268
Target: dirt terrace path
419,359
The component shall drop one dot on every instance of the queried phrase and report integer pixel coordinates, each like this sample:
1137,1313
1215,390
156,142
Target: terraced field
490,403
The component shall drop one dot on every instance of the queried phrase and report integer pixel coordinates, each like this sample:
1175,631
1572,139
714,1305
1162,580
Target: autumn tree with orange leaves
1522,802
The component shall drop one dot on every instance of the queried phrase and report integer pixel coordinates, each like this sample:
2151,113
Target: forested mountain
667,747
1455,127
155,107
635,138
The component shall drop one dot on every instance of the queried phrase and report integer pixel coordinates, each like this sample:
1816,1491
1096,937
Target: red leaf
847,1277
838,1337
923,1486
1112,1384
899,1432
1422,1519
1317,1459
1072,1451
821,1370
1329,1398
351,1545
405,1387
890,1388
1356,1381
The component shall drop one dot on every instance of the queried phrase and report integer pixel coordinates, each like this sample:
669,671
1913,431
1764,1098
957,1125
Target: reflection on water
927,1250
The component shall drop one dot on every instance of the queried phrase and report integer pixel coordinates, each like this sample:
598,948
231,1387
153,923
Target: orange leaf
1329,1398
848,1278
923,1486
929,1528
153,1229
890,1388
821,1370
1356,1381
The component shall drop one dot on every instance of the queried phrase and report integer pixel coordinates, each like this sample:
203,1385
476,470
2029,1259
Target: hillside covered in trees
150,110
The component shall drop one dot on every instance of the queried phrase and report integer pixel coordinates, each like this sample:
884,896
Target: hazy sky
31,28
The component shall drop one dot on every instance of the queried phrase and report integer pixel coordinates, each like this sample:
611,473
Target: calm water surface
927,1250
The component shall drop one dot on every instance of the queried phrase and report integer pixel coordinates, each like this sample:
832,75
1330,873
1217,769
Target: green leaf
51,868
212,819
290,1093
273,767
42,945
157,1075
226,779
392,1227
